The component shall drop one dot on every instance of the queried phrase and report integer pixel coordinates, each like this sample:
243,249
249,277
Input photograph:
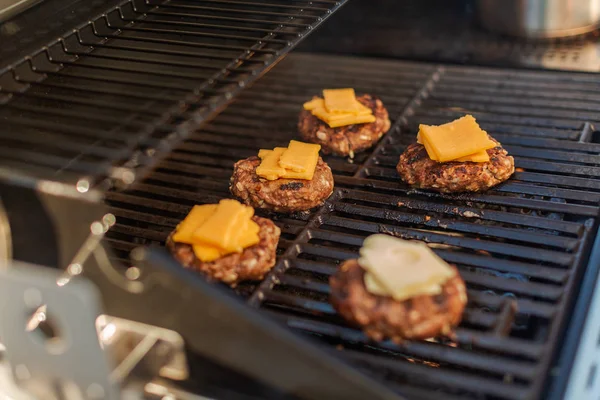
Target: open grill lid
523,244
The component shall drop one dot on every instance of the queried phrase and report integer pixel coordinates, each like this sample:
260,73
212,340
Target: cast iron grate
520,247
108,98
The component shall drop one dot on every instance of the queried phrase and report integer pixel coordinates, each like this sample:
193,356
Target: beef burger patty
350,139
382,317
251,264
280,195
418,170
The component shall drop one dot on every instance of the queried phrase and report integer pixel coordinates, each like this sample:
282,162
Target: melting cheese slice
318,109
339,108
352,120
246,234
456,139
402,269
207,253
342,119
481,156
269,167
300,157
289,174
314,103
322,113
431,151
215,230
262,153
249,234
340,101
196,217
220,229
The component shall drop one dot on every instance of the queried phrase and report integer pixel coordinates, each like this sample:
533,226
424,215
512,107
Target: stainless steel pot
539,18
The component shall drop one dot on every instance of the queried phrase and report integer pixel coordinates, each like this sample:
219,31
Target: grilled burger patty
280,195
350,139
418,170
251,264
382,317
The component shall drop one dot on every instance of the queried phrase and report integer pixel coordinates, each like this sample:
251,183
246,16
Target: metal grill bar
232,19
228,10
135,72
285,6
520,247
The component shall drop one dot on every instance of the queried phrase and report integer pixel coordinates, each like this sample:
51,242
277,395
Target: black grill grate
521,244
104,100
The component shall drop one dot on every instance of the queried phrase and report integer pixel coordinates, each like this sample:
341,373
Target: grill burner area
521,246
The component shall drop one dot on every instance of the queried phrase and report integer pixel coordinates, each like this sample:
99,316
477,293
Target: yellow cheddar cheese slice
481,156
352,120
219,229
244,233
340,100
300,161
207,253
456,139
314,103
249,236
269,167
331,118
318,109
195,218
215,230
342,119
307,175
300,157
262,153
321,113
339,108
430,151
363,110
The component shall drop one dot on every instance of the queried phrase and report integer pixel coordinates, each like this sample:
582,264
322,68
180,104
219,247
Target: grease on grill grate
518,246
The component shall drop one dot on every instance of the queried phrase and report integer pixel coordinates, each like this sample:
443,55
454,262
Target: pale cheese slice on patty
402,269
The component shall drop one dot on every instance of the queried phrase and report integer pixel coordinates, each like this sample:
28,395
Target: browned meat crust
418,170
251,264
382,317
346,140
280,195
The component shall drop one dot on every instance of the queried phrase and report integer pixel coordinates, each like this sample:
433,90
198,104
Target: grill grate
109,97
521,244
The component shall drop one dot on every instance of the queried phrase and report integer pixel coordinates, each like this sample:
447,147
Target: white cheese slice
402,269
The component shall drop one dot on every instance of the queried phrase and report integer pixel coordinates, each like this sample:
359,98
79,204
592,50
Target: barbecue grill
110,134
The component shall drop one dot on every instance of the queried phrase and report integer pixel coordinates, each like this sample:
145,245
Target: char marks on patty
418,170
280,195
